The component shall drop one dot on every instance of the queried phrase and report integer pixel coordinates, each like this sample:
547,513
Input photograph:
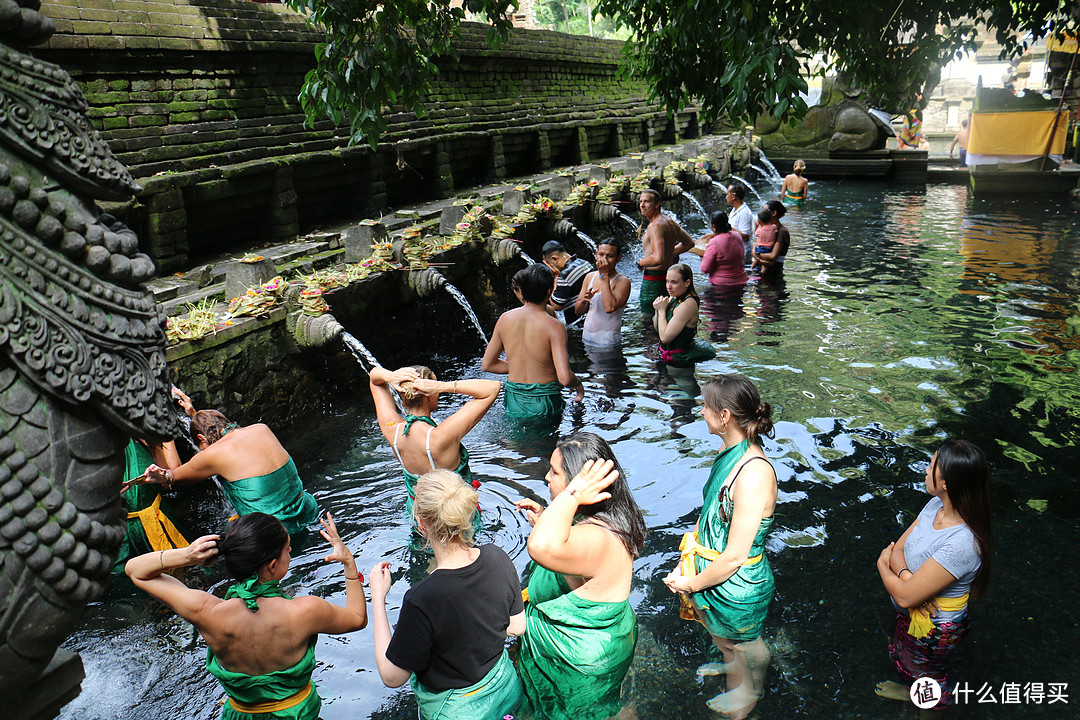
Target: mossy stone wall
199,99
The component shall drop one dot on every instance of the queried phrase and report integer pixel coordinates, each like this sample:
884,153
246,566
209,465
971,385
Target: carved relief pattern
42,112
82,353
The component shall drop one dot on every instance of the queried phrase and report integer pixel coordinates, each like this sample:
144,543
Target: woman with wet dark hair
260,643
725,579
581,631
258,473
774,260
940,562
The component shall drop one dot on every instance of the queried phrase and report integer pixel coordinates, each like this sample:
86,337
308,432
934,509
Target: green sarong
735,609
279,493
685,350
575,652
285,694
498,694
150,524
650,290
539,401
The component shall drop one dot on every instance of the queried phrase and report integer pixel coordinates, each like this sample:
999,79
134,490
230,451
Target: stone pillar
239,276
446,175
284,219
543,149
583,144
498,159
165,239
450,218
360,238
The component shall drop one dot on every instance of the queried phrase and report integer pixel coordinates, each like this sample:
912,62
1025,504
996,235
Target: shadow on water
903,316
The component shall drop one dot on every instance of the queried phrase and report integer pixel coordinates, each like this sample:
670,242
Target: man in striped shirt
570,273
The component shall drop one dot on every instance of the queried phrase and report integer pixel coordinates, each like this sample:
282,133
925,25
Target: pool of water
903,316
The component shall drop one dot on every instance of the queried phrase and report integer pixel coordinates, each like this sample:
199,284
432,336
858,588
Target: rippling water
903,316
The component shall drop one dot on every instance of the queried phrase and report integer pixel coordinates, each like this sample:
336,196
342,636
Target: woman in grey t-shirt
940,561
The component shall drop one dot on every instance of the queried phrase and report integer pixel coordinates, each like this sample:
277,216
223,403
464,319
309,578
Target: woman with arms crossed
453,625
581,631
723,570
940,560
260,644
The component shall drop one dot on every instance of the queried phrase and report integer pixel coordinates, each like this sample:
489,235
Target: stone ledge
241,327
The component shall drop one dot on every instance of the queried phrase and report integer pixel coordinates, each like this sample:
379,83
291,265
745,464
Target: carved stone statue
82,352
839,122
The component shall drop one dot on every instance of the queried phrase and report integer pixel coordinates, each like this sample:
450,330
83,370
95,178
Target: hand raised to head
589,485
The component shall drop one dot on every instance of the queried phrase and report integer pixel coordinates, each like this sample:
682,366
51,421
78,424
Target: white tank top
601,328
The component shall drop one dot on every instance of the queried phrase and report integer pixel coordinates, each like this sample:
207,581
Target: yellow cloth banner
1017,133
271,706
921,624
160,532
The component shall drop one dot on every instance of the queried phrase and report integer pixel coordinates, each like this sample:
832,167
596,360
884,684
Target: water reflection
898,320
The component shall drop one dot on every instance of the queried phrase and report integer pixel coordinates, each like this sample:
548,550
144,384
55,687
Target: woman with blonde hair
438,446
795,189
451,632
725,579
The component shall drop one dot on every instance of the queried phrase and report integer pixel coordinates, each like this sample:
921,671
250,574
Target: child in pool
765,235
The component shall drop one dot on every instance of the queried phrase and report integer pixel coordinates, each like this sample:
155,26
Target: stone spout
603,213
563,229
425,281
316,331
503,250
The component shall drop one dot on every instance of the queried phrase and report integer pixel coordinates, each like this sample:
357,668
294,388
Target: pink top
723,260
766,236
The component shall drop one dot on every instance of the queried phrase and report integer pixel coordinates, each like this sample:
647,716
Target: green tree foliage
577,18
738,59
735,58
380,54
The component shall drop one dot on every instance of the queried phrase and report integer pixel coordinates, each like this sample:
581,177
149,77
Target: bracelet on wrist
359,576
902,570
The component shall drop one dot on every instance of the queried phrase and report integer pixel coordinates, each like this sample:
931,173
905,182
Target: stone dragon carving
82,360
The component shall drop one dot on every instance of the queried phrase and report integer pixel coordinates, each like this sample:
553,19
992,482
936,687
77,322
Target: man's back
527,334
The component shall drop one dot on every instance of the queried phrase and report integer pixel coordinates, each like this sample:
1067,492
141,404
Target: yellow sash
272,706
688,548
160,532
921,624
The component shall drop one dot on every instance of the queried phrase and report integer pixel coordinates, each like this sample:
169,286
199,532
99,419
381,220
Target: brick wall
199,99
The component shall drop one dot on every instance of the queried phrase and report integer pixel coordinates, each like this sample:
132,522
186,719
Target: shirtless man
664,240
961,139
535,345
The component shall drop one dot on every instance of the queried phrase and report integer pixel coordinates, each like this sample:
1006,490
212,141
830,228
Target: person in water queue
570,274
740,218
773,260
419,443
723,576
450,636
940,563
722,256
662,241
603,297
258,473
537,364
676,320
796,188
765,236
961,139
260,644
581,630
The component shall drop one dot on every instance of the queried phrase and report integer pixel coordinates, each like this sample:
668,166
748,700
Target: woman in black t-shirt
451,633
